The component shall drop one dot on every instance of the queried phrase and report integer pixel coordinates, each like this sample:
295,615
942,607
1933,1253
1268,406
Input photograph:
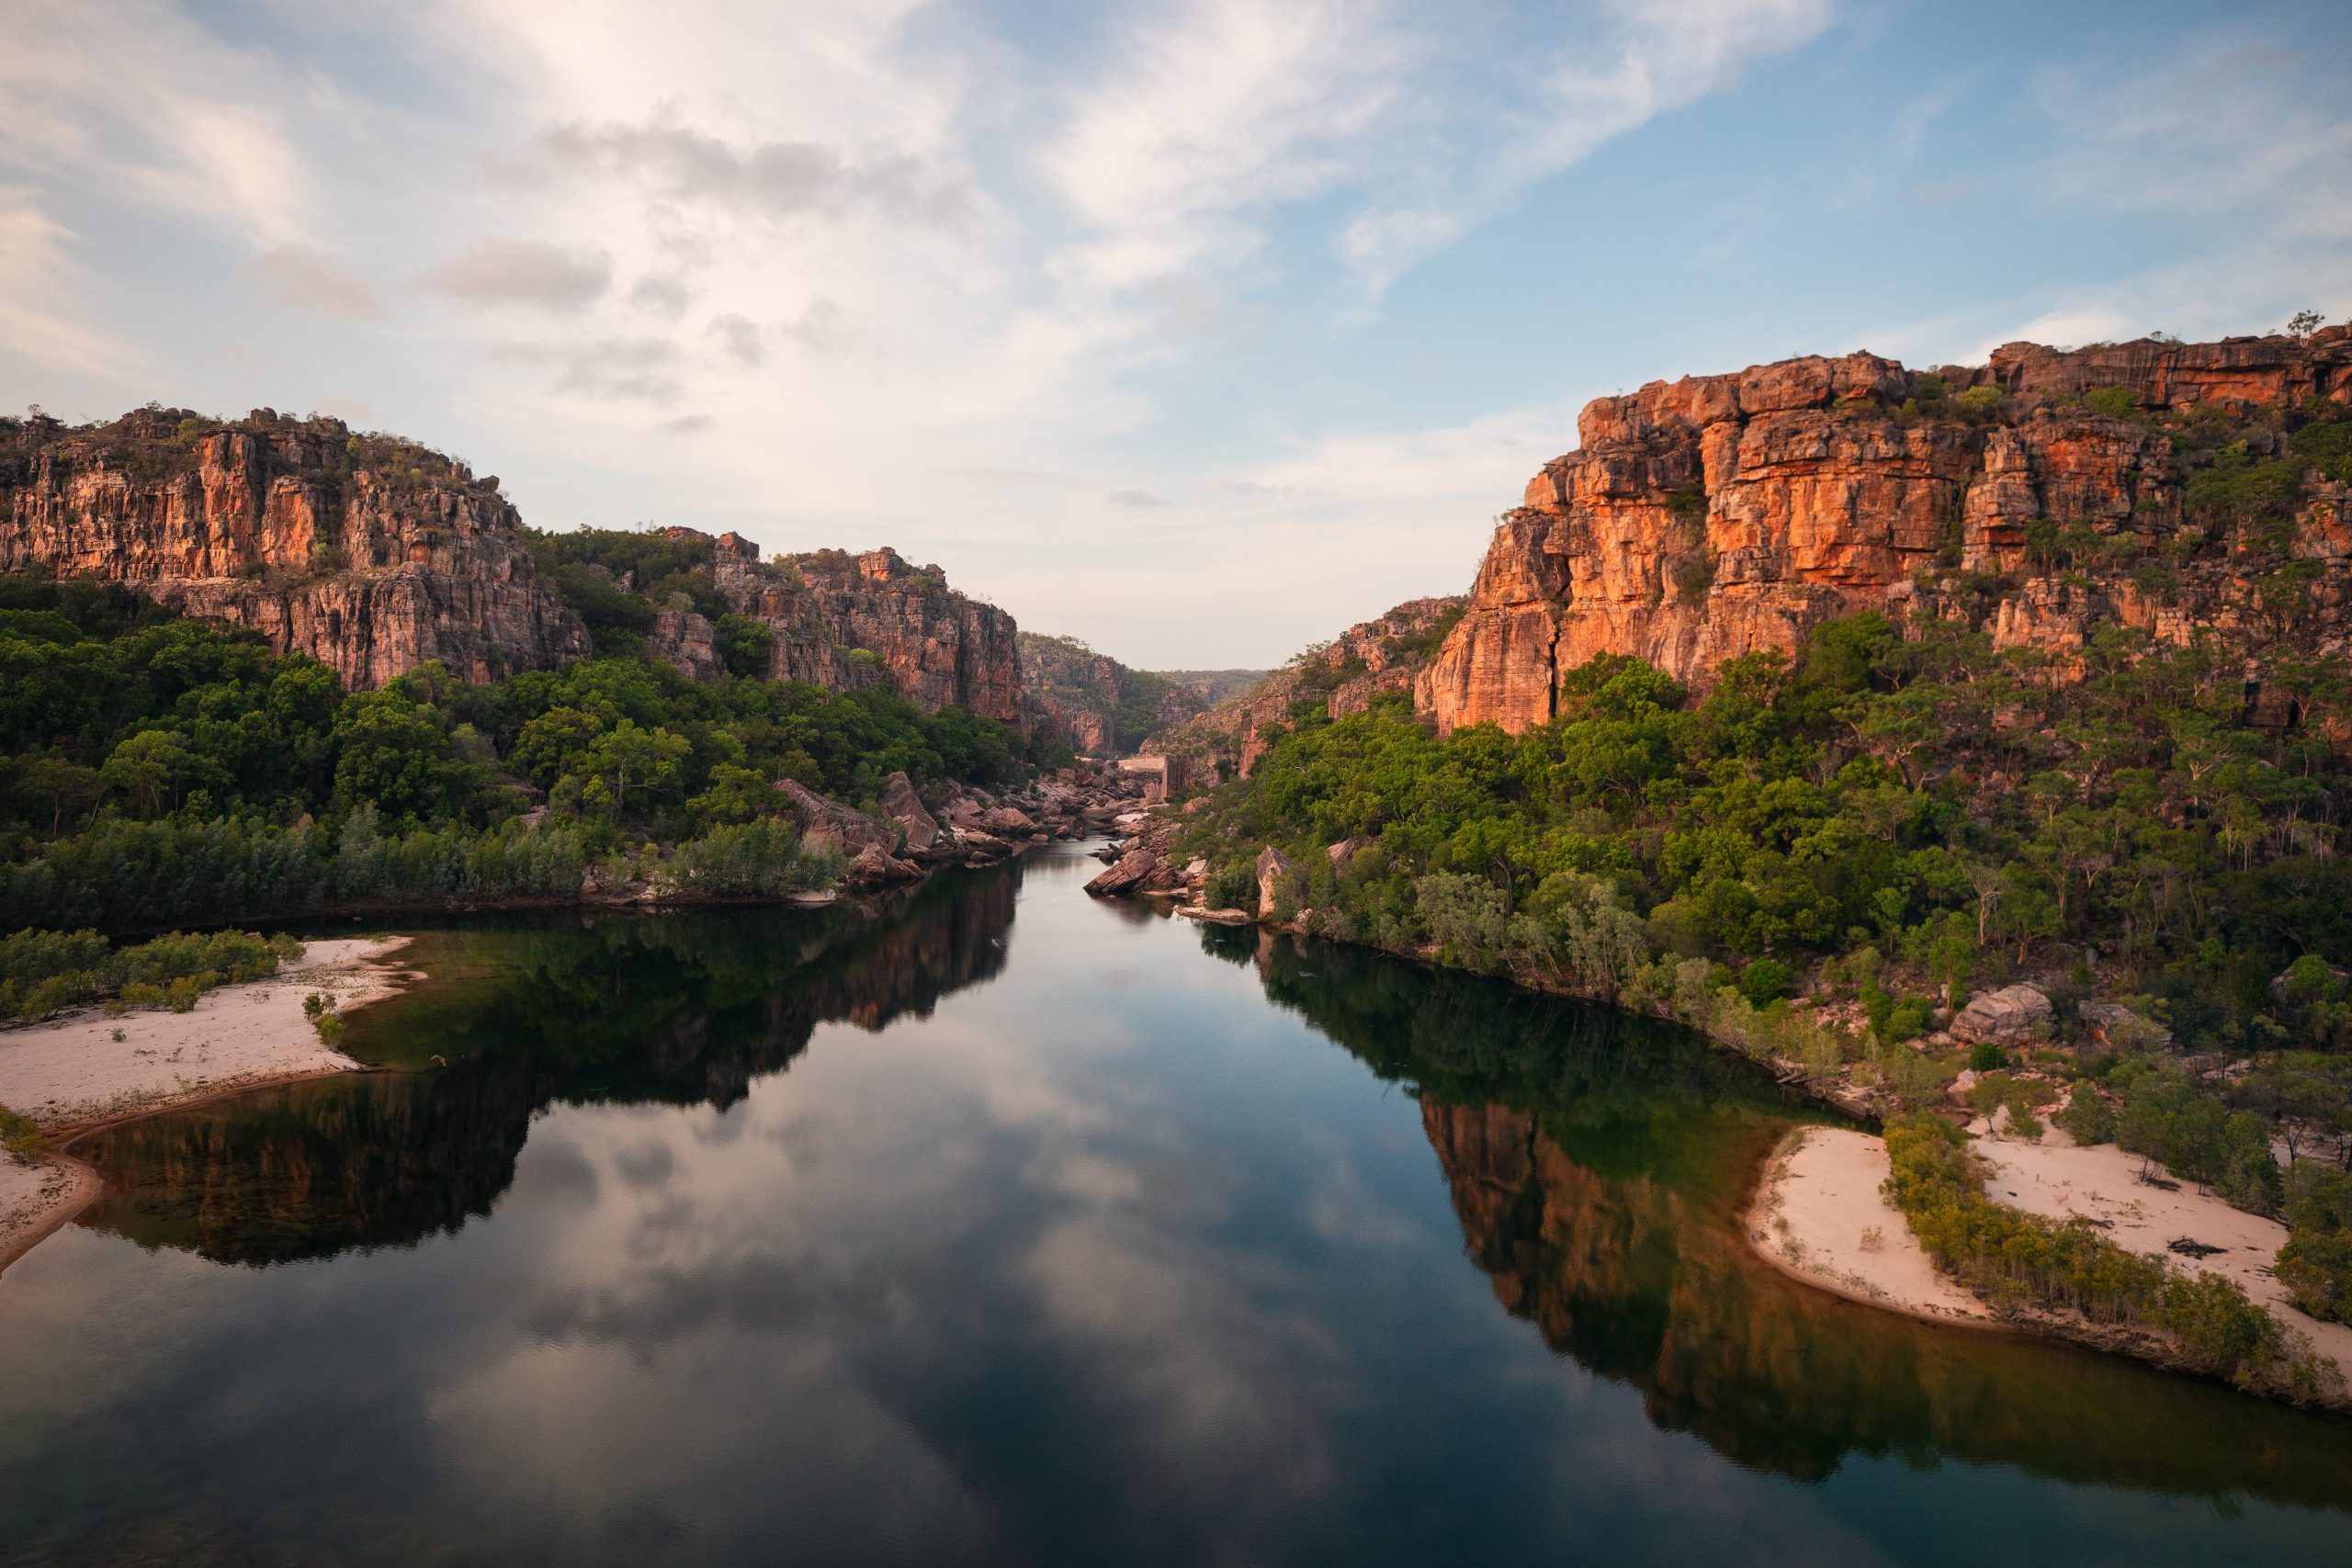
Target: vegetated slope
1101,707
2184,489
2031,678
1341,676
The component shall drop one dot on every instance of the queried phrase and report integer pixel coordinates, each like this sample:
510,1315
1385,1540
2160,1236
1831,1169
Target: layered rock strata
373,555
1718,515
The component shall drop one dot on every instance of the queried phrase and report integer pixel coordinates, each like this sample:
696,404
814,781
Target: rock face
844,621
1101,707
1718,515
372,555
904,806
1383,654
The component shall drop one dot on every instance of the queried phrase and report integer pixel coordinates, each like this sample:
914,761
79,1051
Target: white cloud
312,280
44,296
508,271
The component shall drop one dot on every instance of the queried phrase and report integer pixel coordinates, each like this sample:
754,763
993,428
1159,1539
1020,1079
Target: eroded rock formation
373,555
1383,654
1717,515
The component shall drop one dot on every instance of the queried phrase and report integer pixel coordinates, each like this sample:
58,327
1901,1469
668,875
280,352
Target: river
1005,1225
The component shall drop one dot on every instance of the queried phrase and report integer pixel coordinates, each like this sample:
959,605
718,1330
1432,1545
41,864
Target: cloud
630,369
741,338
312,280
772,179
686,425
1647,57
523,272
661,293
1140,500
43,293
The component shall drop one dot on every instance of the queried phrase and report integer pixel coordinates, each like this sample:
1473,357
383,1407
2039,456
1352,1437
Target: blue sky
1195,328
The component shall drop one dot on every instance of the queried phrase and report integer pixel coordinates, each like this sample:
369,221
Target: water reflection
899,1233
672,1011
1598,1163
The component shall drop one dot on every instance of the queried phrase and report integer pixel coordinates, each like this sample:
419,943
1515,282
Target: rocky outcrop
844,621
2010,1013
372,555
1718,515
905,807
1101,707
1383,654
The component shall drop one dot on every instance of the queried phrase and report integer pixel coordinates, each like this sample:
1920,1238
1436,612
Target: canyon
1719,515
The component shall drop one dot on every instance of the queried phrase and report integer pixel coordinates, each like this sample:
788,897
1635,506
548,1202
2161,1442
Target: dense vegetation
41,972
156,769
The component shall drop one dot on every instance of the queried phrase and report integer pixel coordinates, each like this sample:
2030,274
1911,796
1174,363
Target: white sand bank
2057,1178
1820,1216
75,1070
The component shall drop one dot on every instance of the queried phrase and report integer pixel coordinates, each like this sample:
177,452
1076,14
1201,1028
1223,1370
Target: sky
1197,328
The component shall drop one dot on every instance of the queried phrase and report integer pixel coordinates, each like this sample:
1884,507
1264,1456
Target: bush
43,970
20,1134
1986,1056
1765,982
1233,886
2088,1117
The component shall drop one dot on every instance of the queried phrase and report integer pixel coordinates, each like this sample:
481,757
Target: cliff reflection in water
1601,1165
673,1010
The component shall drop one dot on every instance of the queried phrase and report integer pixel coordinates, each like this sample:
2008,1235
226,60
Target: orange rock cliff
375,554
1717,515
372,555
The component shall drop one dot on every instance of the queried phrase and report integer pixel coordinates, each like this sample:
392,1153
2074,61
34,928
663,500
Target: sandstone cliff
842,621
2032,498
1383,654
1101,707
370,553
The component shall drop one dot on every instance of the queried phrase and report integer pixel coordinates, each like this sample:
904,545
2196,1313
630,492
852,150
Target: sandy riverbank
87,1067
1819,1215
2058,1178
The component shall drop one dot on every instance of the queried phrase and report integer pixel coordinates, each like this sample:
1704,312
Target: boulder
1134,870
1273,867
829,823
904,806
1010,821
982,849
2000,1016
875,866
1341,854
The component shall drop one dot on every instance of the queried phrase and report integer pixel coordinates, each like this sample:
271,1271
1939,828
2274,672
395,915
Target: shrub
1232,886
20,1134
1986,1056
1765,982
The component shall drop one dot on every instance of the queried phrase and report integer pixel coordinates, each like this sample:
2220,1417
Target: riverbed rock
875,866
1134,870
904,806
2001,1016
1009,822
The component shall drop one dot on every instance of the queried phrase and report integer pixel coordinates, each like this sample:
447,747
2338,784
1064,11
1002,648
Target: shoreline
265,1040
1822,1243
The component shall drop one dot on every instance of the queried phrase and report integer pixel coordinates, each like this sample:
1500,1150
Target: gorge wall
842,621
2031,498
372,555
1386,653
1101,707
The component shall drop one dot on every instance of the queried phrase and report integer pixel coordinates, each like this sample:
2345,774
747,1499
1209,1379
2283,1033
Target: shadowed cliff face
1600,1165
1718,515
372,555
672,1011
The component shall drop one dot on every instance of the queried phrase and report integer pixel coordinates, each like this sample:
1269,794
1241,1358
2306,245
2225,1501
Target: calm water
1010,1226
